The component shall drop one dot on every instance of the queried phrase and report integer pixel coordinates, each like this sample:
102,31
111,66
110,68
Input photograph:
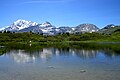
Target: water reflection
46,54
20,56
87,53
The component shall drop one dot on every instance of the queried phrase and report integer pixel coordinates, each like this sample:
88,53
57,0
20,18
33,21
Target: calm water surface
60,64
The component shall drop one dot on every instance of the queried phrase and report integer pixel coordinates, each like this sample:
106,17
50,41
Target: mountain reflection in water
22,56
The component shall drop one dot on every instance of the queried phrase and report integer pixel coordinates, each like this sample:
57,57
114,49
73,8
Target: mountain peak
87,27
109,26
20,21
20,24
46,24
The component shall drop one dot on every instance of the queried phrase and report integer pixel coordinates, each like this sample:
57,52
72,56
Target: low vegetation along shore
65,37
34,46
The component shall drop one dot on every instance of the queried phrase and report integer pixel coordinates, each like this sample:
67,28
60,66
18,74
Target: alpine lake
60,61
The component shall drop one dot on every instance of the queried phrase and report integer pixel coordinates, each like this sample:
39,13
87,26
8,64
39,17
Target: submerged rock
82,71
52,67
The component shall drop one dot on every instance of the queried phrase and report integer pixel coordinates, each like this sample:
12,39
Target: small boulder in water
52,67
82,71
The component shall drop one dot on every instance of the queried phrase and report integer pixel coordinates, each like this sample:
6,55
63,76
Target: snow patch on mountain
3,28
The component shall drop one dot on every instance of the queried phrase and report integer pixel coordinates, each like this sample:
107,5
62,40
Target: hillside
109,30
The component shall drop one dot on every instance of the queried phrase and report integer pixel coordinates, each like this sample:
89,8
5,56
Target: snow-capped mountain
19,25
46,24
86,28
1,29
47,28
65,29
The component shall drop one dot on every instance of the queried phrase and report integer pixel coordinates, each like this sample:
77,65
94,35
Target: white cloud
44,1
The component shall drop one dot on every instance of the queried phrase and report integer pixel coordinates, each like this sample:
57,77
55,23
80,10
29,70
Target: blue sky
61,12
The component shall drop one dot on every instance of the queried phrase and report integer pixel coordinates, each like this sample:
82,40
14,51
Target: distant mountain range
48,29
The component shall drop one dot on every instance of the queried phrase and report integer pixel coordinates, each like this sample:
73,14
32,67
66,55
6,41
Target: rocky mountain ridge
48,29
